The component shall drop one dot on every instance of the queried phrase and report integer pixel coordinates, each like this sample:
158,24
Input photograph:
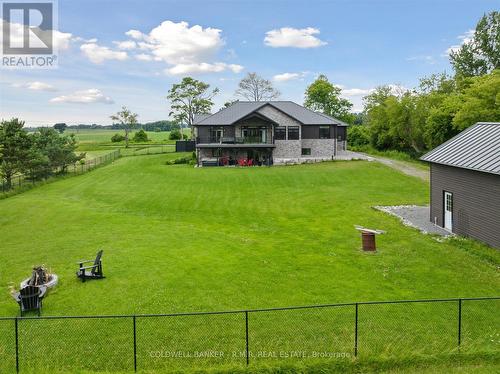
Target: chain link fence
20,180
311,334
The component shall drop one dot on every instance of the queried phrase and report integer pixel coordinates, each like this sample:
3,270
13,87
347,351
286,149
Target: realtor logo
28,34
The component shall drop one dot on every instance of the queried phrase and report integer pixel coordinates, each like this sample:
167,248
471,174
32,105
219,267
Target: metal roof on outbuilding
476,148
241,109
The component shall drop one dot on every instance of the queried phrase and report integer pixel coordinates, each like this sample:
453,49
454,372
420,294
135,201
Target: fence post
135,346
17,346
459,323
356,332
246,337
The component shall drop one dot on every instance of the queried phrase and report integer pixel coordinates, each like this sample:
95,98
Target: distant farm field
86,136
179,239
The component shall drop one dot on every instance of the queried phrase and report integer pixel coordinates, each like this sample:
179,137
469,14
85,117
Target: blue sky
357,44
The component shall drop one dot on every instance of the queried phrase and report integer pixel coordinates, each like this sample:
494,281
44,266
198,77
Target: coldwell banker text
27,34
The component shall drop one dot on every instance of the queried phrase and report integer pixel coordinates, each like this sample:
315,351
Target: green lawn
179,239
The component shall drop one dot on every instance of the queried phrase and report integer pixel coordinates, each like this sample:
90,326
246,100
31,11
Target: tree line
35,155
161,125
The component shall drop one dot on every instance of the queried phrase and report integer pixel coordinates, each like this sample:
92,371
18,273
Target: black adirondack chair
30,298
92,271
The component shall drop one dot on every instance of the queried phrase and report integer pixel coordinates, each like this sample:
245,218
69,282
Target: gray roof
241,109
200,117
476,148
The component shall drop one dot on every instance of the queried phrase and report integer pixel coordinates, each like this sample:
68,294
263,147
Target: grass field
98,142
176,239
101,137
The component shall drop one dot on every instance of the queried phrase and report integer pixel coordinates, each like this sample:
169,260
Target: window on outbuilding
293,132
324,132
306,151
280,133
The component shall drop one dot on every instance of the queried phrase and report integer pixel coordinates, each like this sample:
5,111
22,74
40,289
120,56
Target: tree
358,135
127,120
324,96
59,150
227,104
188,99
15,148
175,134
60,127
140,136
480,54
479,102
255,88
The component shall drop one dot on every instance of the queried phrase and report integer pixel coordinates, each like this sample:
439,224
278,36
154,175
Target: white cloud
288,76
135,34
177,43
203,67
349,92
83,40
92,95
127,44
464,39
143,57
296,38
36,86
396,89
61,40
186,49
98,54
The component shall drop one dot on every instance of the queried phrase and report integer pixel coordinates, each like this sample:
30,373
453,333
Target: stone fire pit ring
53,279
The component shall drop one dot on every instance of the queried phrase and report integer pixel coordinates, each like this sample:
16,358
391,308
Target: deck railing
233,140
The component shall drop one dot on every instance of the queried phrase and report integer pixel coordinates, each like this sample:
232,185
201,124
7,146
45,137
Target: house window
280,133
324,132
306,151
293,133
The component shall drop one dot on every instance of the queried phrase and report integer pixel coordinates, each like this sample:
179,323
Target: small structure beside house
465,183
266,133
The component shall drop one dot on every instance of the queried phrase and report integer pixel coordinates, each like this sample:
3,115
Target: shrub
358,136
117,138
175,135
140,136
181,160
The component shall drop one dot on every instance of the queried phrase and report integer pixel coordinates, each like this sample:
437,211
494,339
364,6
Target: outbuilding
465,183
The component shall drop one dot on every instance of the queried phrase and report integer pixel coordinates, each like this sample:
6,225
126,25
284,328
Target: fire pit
40,277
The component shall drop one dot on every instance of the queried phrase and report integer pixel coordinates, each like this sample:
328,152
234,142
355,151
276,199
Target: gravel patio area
414,216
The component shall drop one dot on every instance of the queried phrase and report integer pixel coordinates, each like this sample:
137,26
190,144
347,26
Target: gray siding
202,131
312,132
476,201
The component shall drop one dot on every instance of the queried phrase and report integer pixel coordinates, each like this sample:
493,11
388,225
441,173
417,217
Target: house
465,183
266,133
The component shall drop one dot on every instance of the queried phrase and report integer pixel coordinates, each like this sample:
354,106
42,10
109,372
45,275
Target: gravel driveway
414,216
402,166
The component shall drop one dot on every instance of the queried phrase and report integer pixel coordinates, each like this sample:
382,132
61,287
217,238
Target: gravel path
414,216
402,166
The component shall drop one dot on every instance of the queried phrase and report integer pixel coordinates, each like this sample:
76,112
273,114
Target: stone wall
320,147
286,149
